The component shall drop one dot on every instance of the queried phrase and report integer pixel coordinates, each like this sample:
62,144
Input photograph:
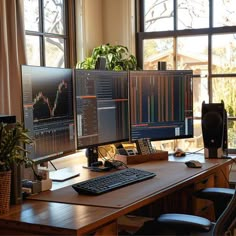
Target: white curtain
12,56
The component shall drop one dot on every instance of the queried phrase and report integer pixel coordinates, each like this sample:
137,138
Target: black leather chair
185,224
219,196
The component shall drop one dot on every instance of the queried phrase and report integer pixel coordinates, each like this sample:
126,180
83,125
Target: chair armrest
215,193
219,196
184,221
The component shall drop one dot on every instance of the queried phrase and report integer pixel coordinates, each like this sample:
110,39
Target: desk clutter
42,183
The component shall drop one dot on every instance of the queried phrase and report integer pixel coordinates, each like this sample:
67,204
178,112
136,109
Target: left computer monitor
48,111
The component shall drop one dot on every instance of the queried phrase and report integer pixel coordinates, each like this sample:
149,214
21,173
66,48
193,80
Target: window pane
32,50
54,16
192,54
224,89
224,53
54,52
200,94
31,15
224,13
157,50
192,14
158,15
231,134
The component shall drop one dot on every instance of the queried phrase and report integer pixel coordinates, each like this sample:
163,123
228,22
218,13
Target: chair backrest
226,222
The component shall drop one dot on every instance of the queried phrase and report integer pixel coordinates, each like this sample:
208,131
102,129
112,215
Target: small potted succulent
13,139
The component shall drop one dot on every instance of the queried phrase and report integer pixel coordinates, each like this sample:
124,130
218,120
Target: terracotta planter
5,190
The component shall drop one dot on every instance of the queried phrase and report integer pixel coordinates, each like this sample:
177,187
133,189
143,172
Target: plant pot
5,190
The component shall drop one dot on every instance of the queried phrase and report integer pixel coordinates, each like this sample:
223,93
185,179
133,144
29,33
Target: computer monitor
101,107
161,104
48,111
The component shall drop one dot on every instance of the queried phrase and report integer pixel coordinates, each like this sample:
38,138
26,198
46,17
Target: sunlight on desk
64,174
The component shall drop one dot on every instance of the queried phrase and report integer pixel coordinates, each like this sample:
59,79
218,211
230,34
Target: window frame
68,36
141,35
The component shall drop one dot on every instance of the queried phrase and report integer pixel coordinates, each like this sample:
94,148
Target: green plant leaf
117,58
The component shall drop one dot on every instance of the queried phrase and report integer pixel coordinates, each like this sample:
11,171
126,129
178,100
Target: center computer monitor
161,104
101,107
48,111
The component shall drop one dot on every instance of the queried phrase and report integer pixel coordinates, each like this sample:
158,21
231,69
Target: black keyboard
106,183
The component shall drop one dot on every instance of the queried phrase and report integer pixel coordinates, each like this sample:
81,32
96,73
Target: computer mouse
193,164
179,153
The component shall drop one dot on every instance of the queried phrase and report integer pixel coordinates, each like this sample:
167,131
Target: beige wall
104,21
118,22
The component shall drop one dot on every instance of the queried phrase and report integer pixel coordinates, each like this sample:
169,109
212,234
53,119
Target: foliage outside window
46,32
199,35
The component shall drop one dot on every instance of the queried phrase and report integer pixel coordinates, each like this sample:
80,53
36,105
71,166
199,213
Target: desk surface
131,193
80,218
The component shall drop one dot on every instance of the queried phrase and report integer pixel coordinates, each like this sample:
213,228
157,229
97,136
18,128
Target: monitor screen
101,107
161,105
48,111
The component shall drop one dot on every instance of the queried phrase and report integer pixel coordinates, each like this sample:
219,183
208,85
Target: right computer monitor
161,104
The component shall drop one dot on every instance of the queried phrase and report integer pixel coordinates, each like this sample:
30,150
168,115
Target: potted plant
13,139
117,58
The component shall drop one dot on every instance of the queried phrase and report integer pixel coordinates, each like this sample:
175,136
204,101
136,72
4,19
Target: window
46,29
193,34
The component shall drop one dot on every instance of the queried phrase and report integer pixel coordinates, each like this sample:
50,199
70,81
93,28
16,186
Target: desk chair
219,196
185,224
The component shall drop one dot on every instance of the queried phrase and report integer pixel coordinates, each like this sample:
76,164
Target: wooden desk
54,218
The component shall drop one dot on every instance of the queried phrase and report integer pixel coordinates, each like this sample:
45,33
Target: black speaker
214,129
100,63
92,155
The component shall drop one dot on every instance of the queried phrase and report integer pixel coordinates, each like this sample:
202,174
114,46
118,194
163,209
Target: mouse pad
168,174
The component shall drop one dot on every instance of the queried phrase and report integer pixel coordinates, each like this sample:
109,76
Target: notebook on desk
63,174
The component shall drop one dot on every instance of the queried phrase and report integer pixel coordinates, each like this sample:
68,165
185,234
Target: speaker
100,63
214,129
92,155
